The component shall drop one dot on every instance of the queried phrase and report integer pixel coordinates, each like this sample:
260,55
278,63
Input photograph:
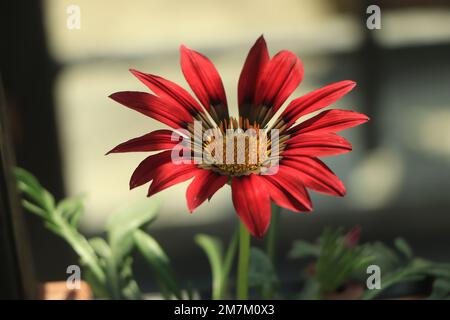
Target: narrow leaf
159,262
302,249
403,247
214,251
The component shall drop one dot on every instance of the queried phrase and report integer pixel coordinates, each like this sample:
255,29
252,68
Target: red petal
314,174
287,191
252,203
204,80
154,107
280,78
169,91
170,174
316,100
316,145
330,121
203,187
254,65
146,170
153,141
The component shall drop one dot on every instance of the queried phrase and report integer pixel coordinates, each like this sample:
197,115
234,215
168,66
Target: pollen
237,148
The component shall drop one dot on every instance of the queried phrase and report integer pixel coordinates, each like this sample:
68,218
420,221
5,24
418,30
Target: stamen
249,151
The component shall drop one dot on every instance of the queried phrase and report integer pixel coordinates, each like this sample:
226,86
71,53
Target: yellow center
237,152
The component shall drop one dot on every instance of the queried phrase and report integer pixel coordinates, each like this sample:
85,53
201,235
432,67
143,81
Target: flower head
263,159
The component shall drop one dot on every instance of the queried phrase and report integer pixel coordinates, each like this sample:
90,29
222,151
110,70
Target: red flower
264,85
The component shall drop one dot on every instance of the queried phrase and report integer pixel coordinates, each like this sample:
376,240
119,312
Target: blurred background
57,81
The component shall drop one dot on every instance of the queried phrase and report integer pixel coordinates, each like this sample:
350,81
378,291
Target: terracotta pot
57,290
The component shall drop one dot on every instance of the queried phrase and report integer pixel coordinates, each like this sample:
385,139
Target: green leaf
29,185
126,271
220,265
26,178
131,291
403,247
71,209
441,290
261,271
383,256
48,201
107,265
113,280
98,288
54,228
439,270
335,254
81,246
303,249
32,193
214,251
133,216
34,209
159,262
123,223
416,270
119,281
100,247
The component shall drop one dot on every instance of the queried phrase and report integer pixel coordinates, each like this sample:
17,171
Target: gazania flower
264,85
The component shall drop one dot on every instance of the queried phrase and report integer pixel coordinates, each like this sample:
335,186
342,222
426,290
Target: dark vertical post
17,279
29,73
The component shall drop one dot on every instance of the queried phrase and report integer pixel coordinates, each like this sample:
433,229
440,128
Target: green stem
243,263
